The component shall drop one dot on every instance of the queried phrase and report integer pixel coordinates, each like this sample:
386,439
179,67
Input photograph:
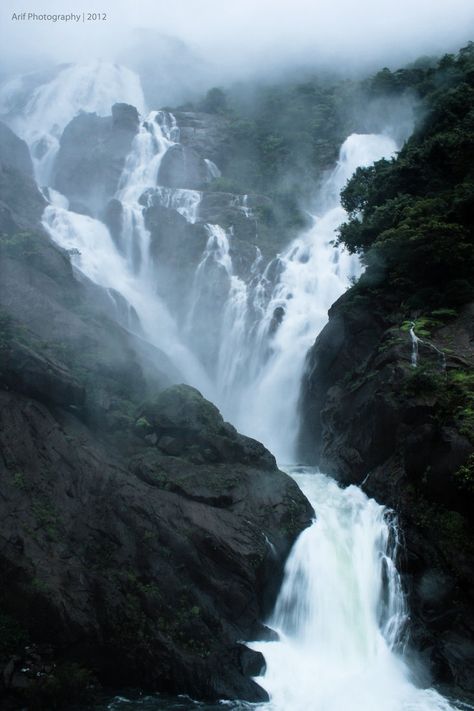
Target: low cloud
230,40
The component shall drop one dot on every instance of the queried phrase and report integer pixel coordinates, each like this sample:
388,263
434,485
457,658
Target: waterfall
415,347
341,614
128,272
262,399
155,135
184,201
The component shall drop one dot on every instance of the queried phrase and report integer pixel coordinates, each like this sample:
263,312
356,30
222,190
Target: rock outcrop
405,434
183,167
142,538
206,134
21,203
92,155
151,562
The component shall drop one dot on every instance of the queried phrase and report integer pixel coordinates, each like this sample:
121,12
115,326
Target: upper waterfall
311,274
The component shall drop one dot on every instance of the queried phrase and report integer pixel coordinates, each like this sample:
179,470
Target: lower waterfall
341,615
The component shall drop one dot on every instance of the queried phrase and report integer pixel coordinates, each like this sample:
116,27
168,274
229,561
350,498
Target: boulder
187,425
142,568
91,157
183,167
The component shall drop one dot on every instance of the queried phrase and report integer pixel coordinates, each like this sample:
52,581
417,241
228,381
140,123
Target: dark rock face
135,522
372,419
21,203
183,167
183,423
91,157
207,134
14,153
125,117
147,567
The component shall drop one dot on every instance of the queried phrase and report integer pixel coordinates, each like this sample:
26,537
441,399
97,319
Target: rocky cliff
142,538
404,433
387,399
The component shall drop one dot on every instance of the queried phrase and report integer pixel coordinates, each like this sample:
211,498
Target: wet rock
91,157
183,167
125,117
369,418
113,218
207,134
183,421
14,152
21,203
148,569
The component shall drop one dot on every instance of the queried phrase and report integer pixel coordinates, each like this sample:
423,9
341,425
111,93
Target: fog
196,42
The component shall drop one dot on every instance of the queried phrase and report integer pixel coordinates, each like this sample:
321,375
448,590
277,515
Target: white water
262,398
155,135
415,347
341,613
41,118
128,270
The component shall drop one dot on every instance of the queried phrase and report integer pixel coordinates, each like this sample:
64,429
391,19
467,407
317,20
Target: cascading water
262,398
341,614
155,135
127,270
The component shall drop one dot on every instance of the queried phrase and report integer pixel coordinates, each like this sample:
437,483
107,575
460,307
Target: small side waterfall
415,348
341,614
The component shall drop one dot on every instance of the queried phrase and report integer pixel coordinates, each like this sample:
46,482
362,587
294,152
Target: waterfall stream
340,615
262,385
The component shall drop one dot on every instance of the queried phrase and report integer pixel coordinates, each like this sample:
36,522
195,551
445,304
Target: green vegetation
22,245
412,217
283,138
465,475
454,392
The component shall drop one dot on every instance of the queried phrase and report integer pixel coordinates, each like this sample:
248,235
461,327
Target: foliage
454,392
465,475
215,101
21,245
412,217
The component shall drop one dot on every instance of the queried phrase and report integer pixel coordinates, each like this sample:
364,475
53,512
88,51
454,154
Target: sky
238,36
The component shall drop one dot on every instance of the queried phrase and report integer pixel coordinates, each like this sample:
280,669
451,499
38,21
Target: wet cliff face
199,237
143,536
146,562
405,435
91,157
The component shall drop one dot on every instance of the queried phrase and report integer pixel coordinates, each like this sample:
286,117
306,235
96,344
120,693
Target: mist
191,45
